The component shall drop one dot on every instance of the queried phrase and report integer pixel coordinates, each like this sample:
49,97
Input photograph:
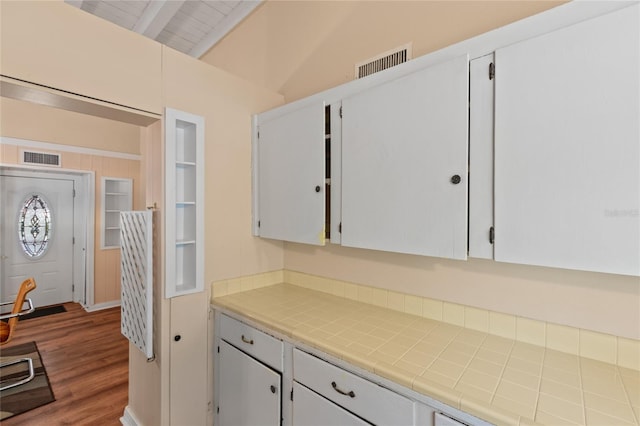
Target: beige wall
146,378
298,48
227,103
33,122
276,58
19,119
601,302
57,45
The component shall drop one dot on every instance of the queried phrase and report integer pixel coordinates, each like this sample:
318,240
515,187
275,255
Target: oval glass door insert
34,226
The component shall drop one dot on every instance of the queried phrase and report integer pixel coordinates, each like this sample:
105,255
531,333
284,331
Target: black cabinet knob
455,179
177,337
318,188
273,389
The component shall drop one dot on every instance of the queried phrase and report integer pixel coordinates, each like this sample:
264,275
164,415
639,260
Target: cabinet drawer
362,397
310,409
440,419
260,345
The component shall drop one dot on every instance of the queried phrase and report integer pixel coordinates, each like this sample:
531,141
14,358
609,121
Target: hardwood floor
87,361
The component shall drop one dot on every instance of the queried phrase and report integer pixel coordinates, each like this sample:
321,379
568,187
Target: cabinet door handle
340,391
244,339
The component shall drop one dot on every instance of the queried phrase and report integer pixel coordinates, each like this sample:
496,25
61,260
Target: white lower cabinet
248,375
365,399
249,390
311,409
440,419
264,380
255,343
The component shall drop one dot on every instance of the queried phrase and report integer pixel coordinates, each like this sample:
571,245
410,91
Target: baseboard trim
128,418
101,306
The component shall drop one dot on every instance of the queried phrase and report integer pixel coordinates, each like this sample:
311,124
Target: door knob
318,188
455,179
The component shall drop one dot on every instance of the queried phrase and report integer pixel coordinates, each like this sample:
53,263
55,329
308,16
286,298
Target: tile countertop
496,379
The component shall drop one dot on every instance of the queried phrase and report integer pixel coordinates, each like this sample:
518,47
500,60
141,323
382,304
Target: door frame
83,222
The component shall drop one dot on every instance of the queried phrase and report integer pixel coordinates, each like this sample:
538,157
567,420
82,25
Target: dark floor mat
43,312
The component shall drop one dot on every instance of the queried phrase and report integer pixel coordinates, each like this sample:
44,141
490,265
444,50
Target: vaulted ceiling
191,26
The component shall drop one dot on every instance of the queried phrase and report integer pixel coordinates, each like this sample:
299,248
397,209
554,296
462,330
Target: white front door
36,233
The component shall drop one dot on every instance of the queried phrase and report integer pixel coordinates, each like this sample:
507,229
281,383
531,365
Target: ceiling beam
76,3
156,16
42,95
241,11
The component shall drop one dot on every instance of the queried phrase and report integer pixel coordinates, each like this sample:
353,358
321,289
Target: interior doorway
46,232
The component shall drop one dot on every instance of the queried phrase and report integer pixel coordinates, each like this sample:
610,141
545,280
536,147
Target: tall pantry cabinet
184,265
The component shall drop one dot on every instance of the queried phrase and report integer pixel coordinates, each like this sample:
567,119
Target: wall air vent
40,158
383,61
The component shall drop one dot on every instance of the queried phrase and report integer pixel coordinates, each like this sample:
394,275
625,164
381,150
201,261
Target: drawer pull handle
244,339
340,391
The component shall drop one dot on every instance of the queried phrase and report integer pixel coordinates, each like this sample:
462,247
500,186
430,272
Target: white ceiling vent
383,61
40,158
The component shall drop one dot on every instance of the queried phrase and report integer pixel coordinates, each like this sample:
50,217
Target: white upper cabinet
289,176
567,147
404,163
481,157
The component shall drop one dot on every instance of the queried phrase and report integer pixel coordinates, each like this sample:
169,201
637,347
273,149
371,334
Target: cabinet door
310,409
402,144
249,391
567,180
188,359
481,157
291,176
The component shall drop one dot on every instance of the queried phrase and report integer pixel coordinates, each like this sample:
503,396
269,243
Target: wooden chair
7,329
